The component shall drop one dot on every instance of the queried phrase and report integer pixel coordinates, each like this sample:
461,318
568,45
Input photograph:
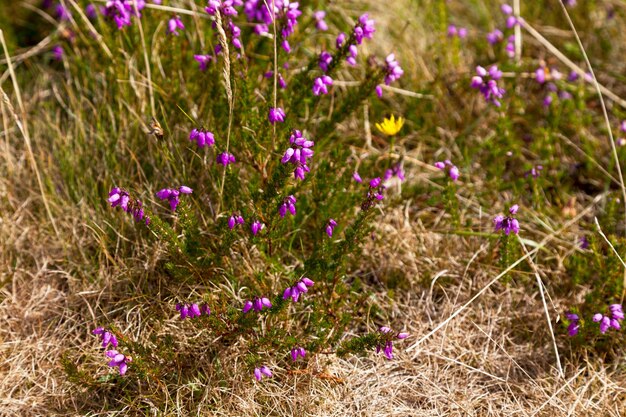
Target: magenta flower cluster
386,341
321,84
298,154
364,29
106,337
453,31
453,171
605,322
487,83
297,352
276,114
374,193
508,224
119,197
263,13
121,11
117,359
288,205
282,84
395,171
574,325
225,158
392,69
204,61
174,25
261,372
202,138
256,227
192,310
616,314
226,9
330,227
495,36
257,304
234,220
173,195
300,287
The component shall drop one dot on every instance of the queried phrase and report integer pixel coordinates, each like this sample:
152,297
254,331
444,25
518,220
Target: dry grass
496,358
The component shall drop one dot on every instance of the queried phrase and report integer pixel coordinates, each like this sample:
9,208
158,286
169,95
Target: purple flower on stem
364,29
357,177
453,171
508,224
257,304
510,46
511,22
256,227
261,372
192,310
341,38
119,360
616,314
173,195
234,220
395,171
202,137
119,197
57,53
288,205
282,84
320,85
330,226
392,69
506,9
325,60
300,287
298,154
121,11
106,337
574,325
374,194
276,114
203,61
226,158
495,37
352,54
453,31
486,82
605,322
90,11
386,341
297,352
174,24
320,23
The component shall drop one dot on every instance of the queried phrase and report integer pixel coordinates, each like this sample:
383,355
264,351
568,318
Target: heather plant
269,218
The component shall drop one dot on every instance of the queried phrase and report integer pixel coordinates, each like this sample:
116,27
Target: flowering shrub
255,159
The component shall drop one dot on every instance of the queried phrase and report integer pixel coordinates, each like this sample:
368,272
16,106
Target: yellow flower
391,126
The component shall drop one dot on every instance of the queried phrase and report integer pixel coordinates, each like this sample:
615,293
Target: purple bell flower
276,114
